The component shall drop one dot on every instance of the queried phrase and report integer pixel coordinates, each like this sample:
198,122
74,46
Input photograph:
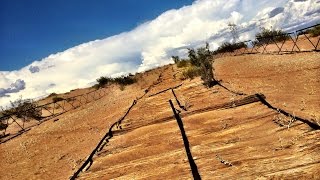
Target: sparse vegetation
191,72
24,109
71,99
122,81
3,126
230,47
122,87
175,59
199,64
57,99
315,31
96,86
182,63
52,95
266,34
202,59
102,81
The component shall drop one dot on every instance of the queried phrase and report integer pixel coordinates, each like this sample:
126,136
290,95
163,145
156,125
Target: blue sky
33,29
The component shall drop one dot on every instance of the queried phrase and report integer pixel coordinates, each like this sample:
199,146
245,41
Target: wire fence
112,129
301,40
298,41
15,124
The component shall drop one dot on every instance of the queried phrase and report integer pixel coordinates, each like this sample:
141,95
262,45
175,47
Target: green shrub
102,81
96,86
266,34
122,87
199,63
194,59
24,109
207,73
124,80
191,72
3,119
71,99
3,125
315,31
200,55
182,63
175,59
52,94
57,99
230,47
202,58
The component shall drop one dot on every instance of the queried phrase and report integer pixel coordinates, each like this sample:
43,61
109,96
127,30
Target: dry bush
265,35
175,59
182,63
52,94
125,80
283,120
3,125
71,99
57,99
315,31
122,87
102,81
230,47
24,109
202,60
122,81
191,72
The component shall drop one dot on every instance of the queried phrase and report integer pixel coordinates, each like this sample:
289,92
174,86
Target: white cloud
152,43
14,88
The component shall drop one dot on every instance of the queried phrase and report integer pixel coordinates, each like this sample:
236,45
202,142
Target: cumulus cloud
153,43
14,88
275,12
34,69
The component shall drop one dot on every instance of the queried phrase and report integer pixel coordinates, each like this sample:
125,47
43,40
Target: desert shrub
315,31
191,72
24,109
71,99
2,120
102,81
57,99
266,34
96,86
122,87
230,47
200,55
201,58
207,73
225,47
199,64
52,94
175,59
124,80
194,59
182,63
3,125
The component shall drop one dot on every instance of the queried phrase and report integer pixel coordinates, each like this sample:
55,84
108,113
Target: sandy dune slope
231,136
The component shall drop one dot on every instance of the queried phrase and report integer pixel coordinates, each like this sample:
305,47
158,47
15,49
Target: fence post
193,165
